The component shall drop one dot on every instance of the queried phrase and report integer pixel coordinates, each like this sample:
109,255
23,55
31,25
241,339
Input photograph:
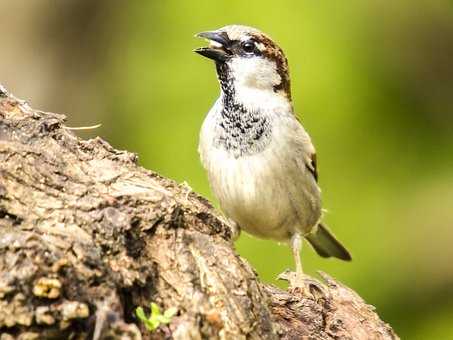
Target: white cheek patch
254,82
255,72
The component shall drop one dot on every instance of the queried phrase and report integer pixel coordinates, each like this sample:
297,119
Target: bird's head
249,64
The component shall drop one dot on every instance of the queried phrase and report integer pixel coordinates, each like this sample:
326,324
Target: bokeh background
372,82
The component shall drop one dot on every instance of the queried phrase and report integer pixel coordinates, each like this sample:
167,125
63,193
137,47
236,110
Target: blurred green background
372,82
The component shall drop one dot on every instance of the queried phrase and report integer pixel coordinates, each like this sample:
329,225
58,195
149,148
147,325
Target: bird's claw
304,285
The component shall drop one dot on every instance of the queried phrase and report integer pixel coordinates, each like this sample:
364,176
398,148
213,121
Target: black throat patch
241,131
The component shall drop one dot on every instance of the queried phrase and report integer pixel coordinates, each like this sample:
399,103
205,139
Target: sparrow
260,161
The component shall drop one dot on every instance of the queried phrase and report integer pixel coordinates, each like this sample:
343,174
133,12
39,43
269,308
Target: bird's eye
248,46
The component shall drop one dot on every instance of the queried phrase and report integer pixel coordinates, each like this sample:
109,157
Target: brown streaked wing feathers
312,167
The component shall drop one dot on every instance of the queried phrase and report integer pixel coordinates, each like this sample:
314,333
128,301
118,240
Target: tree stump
87,235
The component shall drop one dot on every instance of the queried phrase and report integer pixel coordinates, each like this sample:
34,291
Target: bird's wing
309,152
312,165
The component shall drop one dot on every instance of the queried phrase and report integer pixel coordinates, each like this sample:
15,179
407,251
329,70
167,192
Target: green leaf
140,314
155,310
162,319
170,312
153,324
156,318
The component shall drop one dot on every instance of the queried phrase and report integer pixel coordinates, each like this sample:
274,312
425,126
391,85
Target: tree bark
87,235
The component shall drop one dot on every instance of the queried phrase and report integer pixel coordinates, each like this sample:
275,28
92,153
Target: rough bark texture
86,236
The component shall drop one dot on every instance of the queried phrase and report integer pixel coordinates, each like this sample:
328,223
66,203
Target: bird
260,161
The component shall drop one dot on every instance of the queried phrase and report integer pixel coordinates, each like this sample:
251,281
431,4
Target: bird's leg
296,245
298,281
295,279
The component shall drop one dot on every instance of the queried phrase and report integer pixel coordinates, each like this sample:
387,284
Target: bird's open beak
218,47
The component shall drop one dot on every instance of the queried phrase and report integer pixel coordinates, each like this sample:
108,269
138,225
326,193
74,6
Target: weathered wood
87,235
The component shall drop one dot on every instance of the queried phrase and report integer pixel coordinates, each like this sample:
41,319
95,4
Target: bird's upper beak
218,47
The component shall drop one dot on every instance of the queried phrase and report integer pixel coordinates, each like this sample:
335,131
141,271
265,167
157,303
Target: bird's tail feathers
326,245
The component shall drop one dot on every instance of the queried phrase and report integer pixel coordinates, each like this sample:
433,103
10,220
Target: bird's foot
303,284
187,189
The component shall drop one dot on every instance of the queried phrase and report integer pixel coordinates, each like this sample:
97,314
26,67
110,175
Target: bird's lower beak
218,47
